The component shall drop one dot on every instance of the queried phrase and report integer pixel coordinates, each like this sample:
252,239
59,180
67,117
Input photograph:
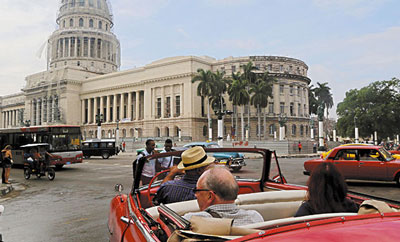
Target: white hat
194,158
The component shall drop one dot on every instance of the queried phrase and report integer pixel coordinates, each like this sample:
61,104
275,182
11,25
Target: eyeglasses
201,190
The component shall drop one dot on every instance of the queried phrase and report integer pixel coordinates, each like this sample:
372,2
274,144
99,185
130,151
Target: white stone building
83,80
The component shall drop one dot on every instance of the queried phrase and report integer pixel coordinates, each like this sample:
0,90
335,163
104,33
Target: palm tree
204,90
261,90
239,95
250,78
324,96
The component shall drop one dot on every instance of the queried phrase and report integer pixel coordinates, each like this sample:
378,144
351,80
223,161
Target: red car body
131,216
395,151
361,163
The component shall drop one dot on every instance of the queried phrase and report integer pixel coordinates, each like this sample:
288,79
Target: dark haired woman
327,191
7,162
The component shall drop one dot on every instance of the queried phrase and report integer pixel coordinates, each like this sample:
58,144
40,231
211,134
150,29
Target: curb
5,189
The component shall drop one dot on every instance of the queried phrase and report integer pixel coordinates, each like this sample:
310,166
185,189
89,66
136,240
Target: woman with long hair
7,162
327,191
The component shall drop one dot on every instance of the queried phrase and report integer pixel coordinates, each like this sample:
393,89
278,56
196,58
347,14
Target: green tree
204,89
239,96
324,96
376,108
250,77
312,101
261,90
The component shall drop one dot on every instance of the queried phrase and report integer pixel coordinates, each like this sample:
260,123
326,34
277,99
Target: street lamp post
282,119
117,134
99,120
220,114
355,129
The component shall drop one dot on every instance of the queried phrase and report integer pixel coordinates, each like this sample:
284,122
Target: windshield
386,154
65,142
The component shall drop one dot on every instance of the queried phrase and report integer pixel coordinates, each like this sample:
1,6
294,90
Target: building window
304,110
233,69
204,130
72,3
106,27
90,23
293,129
71,23
290,68
81,3
299,109
270,67
91,4
177,106
282,107
301,130
281,68
85,46
99,4
271,107
100,25
298,91
158,107
262,131
272,129
281,88
78,63
291,109
291,89
168,107
64,24
81,22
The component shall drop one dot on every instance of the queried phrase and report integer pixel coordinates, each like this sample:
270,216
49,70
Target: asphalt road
74,207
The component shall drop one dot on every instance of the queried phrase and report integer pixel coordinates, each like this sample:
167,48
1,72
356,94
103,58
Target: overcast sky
347,43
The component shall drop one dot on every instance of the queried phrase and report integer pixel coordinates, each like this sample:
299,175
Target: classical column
38,112
6,113
162,102
172,102
181,104
129,116
42,111
53,107
48,109
102,106
115,108
108,109
15,117
89,110
94,109
137,104
121,106
83,107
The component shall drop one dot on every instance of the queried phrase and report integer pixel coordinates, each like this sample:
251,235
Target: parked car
233,160
396,150
133,217
99,147
361,162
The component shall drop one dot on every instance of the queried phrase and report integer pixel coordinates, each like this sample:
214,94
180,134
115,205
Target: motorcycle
39,165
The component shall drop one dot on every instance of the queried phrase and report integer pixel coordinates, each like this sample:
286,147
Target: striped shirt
177,190
230,210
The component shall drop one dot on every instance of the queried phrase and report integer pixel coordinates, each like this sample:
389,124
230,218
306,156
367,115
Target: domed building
83,82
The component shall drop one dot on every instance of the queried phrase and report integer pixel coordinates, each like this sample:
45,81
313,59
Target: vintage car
395,151
133,217
233,160
361,162
99,147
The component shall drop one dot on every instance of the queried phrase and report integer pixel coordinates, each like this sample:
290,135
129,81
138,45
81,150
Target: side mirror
119,188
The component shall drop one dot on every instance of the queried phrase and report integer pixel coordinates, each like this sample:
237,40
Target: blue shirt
177,190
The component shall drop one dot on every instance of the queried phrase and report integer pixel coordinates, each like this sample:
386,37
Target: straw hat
194,158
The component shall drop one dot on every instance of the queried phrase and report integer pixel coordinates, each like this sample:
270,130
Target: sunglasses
201,190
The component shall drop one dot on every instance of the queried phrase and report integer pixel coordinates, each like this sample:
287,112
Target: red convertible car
361,162
133,216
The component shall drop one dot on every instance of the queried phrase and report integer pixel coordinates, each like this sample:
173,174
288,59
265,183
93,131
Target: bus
64,142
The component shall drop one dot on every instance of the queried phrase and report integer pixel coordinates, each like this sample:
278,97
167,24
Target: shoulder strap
214,214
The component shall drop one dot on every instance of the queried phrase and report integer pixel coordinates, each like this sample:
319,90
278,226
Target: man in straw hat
194,163
216,192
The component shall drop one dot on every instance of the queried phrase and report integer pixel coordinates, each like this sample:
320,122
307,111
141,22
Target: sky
347,43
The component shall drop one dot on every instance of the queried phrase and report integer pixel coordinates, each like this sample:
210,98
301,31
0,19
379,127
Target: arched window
64,24
293,129
166,131
90,23
103,133
272,129
100,25
71,23
81,22
301,130
204,130
158,132
106,27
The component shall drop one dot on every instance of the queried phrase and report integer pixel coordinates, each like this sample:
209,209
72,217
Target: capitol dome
84,37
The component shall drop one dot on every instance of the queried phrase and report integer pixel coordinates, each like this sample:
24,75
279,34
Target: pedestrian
123,146
149,169
300,146
7,162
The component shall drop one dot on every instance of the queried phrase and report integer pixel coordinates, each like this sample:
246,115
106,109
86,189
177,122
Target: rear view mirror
119,188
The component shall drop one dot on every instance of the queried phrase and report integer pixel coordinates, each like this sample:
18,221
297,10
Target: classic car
133,216
324,154
233,160
361,162
99,147
396,150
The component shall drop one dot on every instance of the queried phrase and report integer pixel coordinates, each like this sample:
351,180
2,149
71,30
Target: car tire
27,173
59,167
236,169
105,155
397,179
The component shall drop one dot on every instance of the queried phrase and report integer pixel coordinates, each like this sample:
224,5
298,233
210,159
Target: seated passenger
216,192
194,163
327,191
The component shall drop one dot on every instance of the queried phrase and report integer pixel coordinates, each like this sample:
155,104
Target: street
74,207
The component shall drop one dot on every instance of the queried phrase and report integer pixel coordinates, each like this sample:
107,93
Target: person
216,192
327,191
300,146
149,169
123,146
194,162
7,162
167,162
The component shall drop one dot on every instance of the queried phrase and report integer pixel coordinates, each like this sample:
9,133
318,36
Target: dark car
99,147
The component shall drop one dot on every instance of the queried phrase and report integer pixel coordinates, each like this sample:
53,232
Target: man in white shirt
149,169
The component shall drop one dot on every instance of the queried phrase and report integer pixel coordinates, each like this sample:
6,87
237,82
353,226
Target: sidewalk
5,189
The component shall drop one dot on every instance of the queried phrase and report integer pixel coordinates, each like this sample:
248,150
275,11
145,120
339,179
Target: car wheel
58,167
51,174
105,155
237,168
27,173
397,179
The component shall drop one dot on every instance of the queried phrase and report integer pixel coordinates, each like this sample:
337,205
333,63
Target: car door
346,162
372,165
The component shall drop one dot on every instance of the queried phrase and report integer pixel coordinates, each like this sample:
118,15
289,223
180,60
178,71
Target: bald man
216,191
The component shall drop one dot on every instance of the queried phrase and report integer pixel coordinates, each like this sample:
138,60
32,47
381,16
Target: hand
176,171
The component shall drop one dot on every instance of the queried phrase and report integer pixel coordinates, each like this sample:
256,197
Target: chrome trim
137,222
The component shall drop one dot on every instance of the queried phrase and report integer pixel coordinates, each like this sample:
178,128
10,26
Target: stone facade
83,81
